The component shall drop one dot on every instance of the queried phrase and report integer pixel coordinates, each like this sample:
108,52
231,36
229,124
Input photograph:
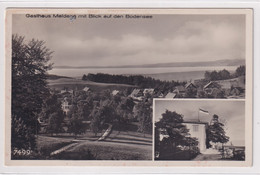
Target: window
195,128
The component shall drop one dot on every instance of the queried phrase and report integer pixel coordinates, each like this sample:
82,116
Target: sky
231,113
115,42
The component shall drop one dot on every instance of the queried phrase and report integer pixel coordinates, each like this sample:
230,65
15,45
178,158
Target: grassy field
118,146
73,83
108,151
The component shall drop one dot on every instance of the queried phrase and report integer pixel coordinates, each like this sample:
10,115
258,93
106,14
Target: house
65,105
197,129
179,90
148,91
170,95
63,91
115,92
190,90
86,89
211,86
190,85
238,83
136,93
231,87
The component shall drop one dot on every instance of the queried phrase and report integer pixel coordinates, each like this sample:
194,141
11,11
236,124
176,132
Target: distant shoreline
225,62
165,76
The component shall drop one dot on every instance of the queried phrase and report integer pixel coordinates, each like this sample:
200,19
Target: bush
239,155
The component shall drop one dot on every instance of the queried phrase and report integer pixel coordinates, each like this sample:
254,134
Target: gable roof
115,92
170,95
179,89
190,85
86,89
212,83
148,90
135,92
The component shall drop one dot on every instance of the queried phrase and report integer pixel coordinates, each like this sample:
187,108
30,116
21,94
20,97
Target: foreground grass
108,151
122,146
46,145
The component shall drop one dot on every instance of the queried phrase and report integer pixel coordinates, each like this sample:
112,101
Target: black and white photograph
83,83
199,130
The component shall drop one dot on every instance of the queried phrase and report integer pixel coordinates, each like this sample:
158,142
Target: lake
163,73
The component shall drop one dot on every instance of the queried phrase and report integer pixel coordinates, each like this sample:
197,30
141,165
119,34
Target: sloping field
130,138
177,76
106,150
118,146
73,83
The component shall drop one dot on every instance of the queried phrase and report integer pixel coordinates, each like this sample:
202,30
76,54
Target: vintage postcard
128,87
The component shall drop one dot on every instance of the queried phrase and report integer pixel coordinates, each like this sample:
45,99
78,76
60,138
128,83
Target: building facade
198,130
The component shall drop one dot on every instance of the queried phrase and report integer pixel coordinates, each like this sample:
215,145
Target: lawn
107,151
119,146
46,144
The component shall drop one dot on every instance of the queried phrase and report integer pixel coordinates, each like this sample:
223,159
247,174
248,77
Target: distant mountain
225,62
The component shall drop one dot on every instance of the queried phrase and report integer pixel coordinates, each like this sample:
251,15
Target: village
67,95
232,88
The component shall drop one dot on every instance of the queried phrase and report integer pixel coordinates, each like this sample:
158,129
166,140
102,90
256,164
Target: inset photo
199,130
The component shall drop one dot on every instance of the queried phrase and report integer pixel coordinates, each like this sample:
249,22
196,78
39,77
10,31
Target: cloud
162,39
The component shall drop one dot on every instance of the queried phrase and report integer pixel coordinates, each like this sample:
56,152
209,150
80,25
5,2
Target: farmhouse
211,86
179,90
190,86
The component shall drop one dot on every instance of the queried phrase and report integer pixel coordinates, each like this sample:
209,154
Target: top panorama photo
175,56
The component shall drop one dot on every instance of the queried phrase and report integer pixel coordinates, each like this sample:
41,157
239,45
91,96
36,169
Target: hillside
73,83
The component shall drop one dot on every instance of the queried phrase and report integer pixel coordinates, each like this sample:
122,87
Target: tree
175,134
30,63
76,126
52,114
207,75
84,77
55,123
215,132
104,114
144,116
241,71
224,74
214,76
